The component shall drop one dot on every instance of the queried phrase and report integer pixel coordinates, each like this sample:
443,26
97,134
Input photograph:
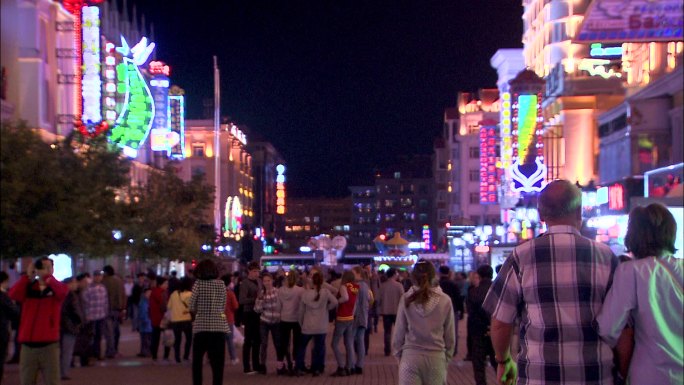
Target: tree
168,217
58,197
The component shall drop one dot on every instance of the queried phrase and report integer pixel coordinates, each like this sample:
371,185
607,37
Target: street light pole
217,150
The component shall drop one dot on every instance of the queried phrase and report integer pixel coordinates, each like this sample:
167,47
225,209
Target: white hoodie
425,328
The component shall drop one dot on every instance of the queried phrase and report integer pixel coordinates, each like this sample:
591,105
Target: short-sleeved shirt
555,284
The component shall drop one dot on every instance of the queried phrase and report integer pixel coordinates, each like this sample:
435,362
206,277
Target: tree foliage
57,197
168,217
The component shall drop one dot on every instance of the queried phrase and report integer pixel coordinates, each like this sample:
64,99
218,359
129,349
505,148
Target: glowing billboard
280,189
233,217
177,124
488,179
528,171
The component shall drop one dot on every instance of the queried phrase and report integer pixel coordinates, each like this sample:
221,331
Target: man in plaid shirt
96,308
555,285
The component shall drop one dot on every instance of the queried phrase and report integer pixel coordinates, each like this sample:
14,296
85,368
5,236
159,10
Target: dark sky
339,87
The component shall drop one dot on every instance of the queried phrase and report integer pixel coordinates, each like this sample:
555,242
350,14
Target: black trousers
156,337
288,329
388,321
252,345
482,347
180,328
214,345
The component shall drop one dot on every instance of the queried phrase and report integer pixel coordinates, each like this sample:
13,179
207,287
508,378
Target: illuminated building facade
38,66
463,144
237,182
265,162
364,221
405,195
579,86
310,217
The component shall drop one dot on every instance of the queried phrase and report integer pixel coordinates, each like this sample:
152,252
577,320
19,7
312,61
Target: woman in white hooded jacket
424,337
313,317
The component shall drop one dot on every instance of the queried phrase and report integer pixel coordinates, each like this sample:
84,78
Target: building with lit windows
310,217
405,196
468,171
265,162
364,222
236,189
582,81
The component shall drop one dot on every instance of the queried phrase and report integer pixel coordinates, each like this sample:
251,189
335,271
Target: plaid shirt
96,302
269,306
556,284
208,302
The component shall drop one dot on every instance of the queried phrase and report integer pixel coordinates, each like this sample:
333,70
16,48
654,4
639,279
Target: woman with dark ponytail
424,338
313,317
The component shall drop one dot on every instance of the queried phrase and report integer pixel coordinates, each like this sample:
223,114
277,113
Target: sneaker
357,370
250,372
234,361
340,372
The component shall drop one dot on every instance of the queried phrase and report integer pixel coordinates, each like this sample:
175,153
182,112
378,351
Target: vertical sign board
528,171
177,124
488,179
280,189
159,86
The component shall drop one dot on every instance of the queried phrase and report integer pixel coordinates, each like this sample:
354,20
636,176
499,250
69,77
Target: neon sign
616,197
506,148
597,50
528,171
488,180
426,237
233,217
597,67
162,139
135,120
177,124
159,68
238,134
280,189
109,106
88,83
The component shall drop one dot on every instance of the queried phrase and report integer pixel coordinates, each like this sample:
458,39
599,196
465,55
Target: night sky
339,87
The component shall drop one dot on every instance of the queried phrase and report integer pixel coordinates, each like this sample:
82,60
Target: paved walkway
130,370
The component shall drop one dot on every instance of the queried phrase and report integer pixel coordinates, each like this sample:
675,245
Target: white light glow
62,266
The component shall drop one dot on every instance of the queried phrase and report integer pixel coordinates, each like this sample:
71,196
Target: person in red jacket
231,308
158,301
40,295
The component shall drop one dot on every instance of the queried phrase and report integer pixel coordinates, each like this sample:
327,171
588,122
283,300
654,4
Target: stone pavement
131,370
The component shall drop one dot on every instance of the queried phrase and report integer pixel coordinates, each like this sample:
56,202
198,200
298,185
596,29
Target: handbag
166,320
168,338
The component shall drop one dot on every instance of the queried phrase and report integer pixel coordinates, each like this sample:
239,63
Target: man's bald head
561,203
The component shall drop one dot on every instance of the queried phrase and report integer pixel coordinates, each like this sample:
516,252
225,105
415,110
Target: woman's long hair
347,276
291,279
317,279
422,275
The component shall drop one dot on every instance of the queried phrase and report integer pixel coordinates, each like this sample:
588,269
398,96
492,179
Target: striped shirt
556,285
208,302
269,306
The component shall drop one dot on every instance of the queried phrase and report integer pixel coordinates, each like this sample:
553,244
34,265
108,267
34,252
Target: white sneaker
234,361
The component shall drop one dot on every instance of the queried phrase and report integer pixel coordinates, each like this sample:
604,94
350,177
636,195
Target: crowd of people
563,309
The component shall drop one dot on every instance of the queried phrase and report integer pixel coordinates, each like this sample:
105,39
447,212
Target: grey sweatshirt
249,291
362,305
290,298
313,315
390,293
426,328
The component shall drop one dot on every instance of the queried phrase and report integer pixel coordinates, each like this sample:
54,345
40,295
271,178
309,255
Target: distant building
237,183
265,161
310,217
365,220
405,196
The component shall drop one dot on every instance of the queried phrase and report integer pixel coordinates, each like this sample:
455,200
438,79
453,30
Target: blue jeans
230,344
112,333
318,354
97,327
360,345
344,328
67,352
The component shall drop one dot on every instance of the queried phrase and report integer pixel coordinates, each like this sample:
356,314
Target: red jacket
41,311
157,305
345,311
231,306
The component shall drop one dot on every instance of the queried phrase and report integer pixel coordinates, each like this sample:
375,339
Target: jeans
274,330
68,342
156,337
145,342
44,359
360,347
212,344
132,314
97,327
482,347
344,329
112,333
387,323
288,329
230,344
252,343
180,328
317,355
